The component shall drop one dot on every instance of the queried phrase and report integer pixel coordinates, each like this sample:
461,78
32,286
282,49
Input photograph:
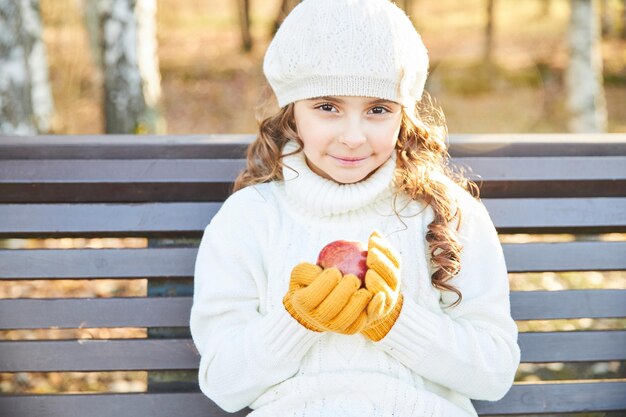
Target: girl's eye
377,110
326,107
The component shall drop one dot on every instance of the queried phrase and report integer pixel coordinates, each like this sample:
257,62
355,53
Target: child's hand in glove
382,279
324,300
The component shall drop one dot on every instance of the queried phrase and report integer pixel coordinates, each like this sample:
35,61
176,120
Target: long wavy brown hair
421,154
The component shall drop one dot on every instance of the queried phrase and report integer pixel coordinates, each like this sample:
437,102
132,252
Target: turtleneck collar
324,197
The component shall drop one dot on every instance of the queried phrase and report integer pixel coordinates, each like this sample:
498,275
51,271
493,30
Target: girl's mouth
348,161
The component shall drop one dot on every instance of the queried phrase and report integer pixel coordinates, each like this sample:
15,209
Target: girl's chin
348,179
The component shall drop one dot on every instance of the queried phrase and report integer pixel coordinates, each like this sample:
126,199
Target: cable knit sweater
434,359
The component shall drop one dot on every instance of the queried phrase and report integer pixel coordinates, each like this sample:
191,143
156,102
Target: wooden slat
566,304
557,398
95,312
148,180
578,346
115,171
178,262
569,256
546,169
177,171
97,263
174,311
117,405
521,399
98,355
128,146
92,220
569,215
228,145
126,180
163,354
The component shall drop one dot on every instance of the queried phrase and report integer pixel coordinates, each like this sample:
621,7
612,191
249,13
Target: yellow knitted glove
324,300
382,279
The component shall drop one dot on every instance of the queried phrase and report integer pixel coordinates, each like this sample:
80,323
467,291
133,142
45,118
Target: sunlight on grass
74,243
84,333
73,382
73,288
570,325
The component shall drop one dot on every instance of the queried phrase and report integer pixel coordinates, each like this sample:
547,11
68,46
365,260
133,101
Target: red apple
347,255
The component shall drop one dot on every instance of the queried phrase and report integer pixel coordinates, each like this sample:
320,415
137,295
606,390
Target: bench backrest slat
117,405
573,215
522,399
148,311
176,263
147,180
168,354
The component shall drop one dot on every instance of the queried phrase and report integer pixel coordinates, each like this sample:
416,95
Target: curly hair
421,153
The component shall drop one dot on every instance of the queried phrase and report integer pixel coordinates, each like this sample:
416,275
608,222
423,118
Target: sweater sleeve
471,348
242,352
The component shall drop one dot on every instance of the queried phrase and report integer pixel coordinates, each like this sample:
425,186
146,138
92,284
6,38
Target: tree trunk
25,96
91,18
132,81
407,6
546,8
585,102
489,33
243,7
606,19
41,92
623,34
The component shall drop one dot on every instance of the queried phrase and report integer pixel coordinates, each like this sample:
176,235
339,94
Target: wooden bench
166,189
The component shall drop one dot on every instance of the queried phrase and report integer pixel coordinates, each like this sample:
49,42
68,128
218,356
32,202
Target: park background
211,85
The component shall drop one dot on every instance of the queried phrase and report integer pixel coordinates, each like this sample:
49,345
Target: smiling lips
348,161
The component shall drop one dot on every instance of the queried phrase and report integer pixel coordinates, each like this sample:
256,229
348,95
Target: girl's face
347,138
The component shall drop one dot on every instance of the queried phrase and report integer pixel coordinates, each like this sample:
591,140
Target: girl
350,156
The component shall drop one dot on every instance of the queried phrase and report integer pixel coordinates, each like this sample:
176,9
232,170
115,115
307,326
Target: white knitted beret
347,48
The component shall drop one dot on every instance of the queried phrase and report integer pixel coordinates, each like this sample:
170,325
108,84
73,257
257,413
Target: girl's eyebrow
338,100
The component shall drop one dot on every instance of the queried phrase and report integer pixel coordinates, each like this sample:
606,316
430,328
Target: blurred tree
546,7
243,8
487,51
26,105
407,6
623,34
41,92
283,11
132,81
607,23
586,103
92,25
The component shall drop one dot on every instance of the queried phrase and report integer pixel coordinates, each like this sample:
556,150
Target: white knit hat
347,48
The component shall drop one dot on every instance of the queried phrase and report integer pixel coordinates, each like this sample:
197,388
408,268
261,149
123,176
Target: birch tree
26,105
41,92
132,81
584,81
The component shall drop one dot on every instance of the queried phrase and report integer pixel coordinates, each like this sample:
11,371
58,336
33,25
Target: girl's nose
353,134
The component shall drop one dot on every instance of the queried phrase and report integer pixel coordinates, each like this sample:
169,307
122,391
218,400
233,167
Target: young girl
350,156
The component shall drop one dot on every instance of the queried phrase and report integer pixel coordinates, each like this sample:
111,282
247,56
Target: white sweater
253,353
